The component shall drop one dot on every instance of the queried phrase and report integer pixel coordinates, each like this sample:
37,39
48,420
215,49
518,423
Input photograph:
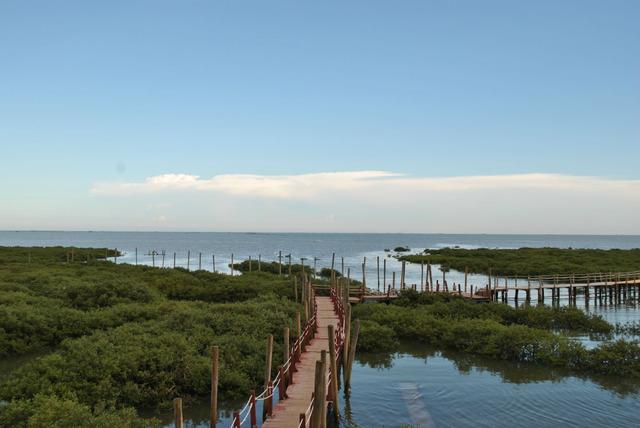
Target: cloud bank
383,201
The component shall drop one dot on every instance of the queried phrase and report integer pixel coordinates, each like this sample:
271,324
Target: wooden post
323,390
136,256
466,275
199,261
286,350
384,273
252,410
333,392
352,353
378,270
393,281
430,275
364,280
295,289
402,273
259,263
215,353
347,339
213,262
231,264
269,401
177,412
422,275
317,399
174,260
282,384
267,375
236,419
280,263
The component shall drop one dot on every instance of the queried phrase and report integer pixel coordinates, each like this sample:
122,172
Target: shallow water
426,388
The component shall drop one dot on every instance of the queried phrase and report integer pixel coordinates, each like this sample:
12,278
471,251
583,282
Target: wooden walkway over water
616,286
287,412
308,380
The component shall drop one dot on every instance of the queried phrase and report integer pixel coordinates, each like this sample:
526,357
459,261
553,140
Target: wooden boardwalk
286,413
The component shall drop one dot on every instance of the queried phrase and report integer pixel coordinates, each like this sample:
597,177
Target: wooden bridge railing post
286,352
236,419
269,400
253,413
333,391
267,374
282,384
317,394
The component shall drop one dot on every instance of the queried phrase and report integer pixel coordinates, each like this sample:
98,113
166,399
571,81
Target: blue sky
120,91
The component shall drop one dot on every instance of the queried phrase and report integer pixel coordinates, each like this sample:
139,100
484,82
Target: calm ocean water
415,386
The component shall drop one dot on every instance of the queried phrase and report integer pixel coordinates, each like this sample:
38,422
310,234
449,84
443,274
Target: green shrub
376,338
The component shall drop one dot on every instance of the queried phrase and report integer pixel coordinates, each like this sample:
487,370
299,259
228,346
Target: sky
492,116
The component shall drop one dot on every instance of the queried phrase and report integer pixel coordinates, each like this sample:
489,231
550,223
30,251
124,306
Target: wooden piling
267,375
177,412
252,411
384,272
317,397
466,275
353,343
378,270
188,259
347,339
286,343
323,390
215,354
334,370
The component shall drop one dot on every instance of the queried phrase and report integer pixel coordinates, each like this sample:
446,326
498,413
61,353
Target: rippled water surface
427,389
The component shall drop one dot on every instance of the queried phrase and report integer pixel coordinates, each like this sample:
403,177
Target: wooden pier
306,385
616,286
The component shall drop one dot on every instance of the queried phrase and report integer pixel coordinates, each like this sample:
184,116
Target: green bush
376,338
47,411
531,261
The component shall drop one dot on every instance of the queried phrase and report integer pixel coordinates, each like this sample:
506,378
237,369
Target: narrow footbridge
307,383
616,286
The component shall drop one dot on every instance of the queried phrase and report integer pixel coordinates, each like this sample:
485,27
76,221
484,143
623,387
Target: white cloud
305,186
381,201
300,186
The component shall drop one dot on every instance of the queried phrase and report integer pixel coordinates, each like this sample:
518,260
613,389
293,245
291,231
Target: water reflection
421,386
